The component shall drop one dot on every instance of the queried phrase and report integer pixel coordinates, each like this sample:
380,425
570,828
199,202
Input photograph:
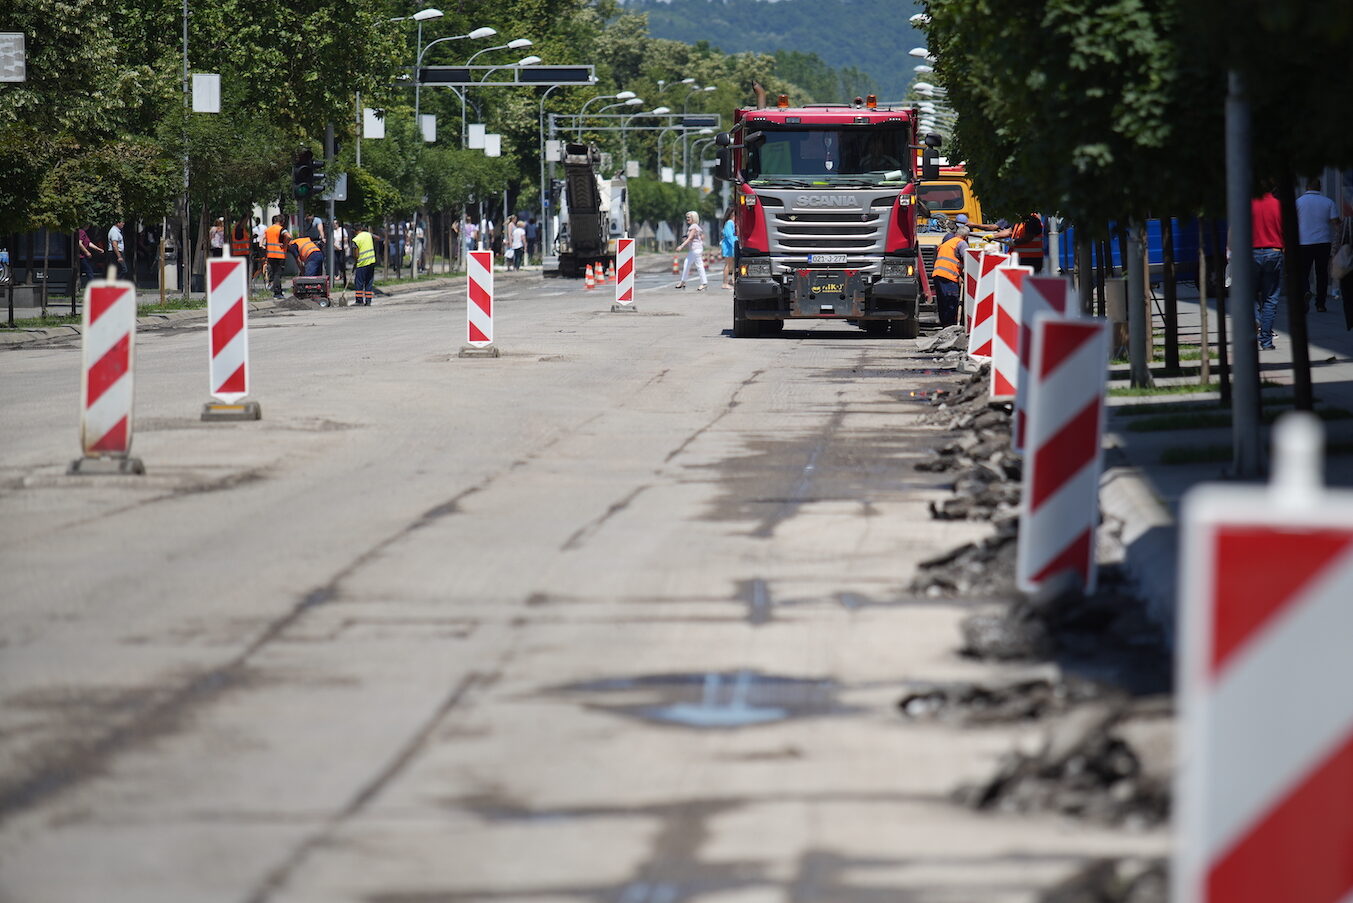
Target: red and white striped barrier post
228,339
972,265
1042,294
1059,505
984,308
107,350
1009,288
479,306
624,275
1266,745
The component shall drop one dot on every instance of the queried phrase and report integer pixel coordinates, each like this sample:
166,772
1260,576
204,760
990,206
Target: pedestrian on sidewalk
341,240
364,273
87,251
1267,216
532,237
117,246
216,238
695,240
518,243
949,275
1317,222
728,245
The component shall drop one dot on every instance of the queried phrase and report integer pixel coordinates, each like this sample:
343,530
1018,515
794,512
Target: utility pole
184,263
1247,462
328,169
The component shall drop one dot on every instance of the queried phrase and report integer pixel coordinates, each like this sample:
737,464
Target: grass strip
1204,420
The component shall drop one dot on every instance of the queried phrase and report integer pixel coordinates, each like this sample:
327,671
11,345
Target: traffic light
317,177
303,175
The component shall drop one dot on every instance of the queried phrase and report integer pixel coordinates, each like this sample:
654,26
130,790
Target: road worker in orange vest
948,275
240,238
1026,241
275,241
309,257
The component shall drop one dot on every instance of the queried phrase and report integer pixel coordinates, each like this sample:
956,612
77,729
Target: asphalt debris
985,568
997,702
1085,768
1114,881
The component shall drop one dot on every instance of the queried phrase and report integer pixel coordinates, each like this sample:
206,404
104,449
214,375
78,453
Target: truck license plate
826,258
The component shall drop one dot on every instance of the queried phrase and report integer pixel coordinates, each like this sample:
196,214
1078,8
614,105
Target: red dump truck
825,215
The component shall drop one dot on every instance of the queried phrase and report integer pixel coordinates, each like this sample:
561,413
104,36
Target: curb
1150,535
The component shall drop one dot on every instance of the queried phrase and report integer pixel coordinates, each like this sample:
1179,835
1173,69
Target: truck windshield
831,155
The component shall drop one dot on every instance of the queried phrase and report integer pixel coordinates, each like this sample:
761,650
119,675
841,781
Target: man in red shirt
1267,216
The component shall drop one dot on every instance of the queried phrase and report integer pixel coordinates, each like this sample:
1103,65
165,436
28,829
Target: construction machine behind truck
825,215
593,212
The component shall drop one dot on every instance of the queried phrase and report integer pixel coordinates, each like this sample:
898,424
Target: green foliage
1076,106
870,37
654,201
370,198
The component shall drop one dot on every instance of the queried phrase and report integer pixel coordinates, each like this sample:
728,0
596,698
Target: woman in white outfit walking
695,239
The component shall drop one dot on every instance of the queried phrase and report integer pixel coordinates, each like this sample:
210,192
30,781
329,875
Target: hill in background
866,41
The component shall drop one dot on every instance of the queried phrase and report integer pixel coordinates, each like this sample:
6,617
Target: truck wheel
743,328
909,328
876,329
772,327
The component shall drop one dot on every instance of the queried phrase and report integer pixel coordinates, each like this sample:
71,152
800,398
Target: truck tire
743,328
875,329
909,328
772,327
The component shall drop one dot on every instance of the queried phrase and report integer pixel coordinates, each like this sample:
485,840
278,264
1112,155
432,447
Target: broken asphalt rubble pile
1106,754
1114,881
1085,767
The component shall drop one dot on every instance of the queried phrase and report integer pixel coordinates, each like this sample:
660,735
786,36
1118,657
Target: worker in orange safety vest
1026,241
948,275
275,241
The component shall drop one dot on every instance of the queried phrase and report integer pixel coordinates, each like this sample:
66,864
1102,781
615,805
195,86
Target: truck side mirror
932,139
723,168
930,170
723,139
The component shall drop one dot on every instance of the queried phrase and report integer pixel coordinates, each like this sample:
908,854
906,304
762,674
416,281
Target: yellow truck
942,201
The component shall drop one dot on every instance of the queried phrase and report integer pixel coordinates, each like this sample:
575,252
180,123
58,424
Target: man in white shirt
341,250
1317,226
117,246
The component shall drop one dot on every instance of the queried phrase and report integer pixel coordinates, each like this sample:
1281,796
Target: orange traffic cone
589,282
676,265
605,269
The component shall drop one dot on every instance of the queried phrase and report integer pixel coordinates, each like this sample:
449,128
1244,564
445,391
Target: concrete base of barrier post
214,411
624,309
473,351
106,465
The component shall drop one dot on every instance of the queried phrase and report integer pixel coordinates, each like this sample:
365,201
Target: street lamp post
475,35
623,95
624,123
685,148
514,44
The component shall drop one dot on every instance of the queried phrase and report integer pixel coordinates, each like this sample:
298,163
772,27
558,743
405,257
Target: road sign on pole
1267,730
1005,334
624,275
1059,504
228,340
107,346
479,306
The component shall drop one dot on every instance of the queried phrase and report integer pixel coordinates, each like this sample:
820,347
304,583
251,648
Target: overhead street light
921,53
476,35
923,69
624,144
623,95
514,44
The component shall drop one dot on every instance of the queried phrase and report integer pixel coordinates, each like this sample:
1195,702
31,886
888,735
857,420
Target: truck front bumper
840,294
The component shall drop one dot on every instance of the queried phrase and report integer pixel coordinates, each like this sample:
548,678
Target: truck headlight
756,268
897,266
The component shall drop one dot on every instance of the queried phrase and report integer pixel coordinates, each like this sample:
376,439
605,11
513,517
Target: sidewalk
1143,491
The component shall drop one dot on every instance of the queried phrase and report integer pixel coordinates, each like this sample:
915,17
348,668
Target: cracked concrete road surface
619,616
